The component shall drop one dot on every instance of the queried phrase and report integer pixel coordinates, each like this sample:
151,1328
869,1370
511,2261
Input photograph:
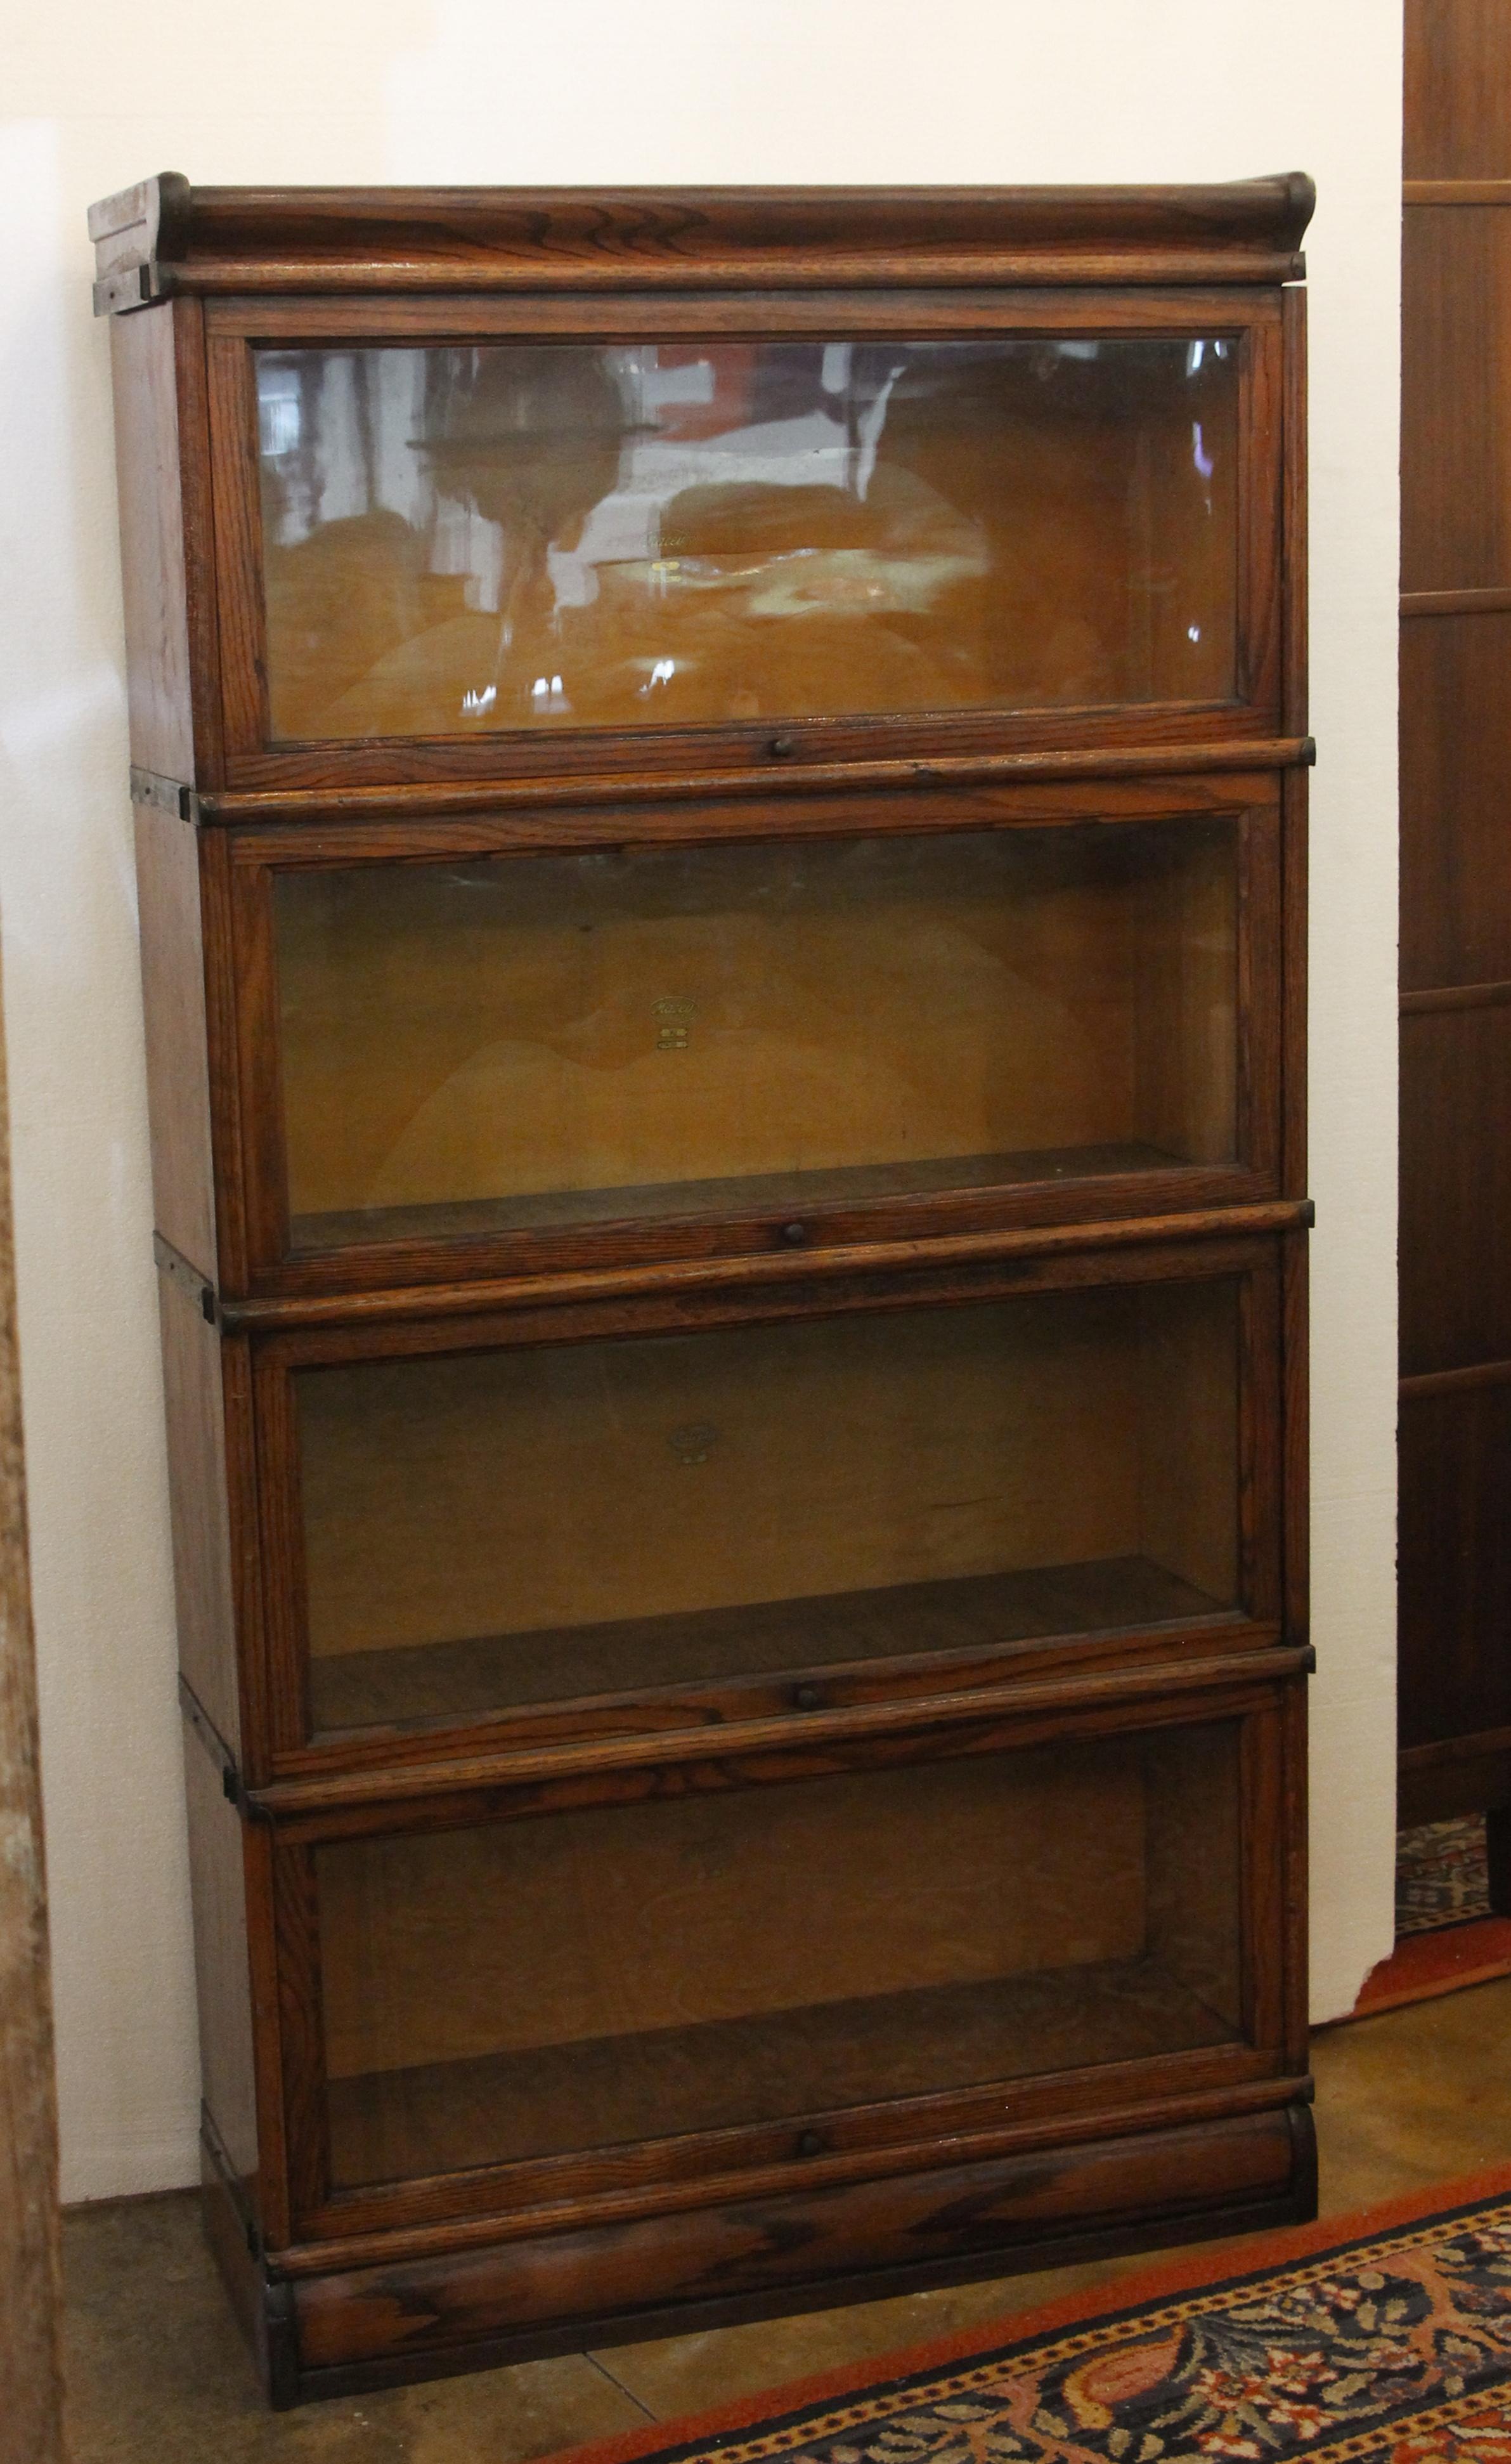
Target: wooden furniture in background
721,807
1456,923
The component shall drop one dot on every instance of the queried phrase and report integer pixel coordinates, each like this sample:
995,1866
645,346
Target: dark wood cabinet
1455,922
720,789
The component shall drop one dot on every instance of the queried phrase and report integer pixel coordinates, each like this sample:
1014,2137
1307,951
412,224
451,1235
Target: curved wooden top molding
164,235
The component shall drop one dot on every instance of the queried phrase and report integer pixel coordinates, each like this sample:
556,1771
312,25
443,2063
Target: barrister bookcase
720,798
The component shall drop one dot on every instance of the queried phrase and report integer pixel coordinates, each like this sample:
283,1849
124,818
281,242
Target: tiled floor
157,2374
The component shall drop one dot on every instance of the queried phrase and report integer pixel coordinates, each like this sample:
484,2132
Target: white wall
582,91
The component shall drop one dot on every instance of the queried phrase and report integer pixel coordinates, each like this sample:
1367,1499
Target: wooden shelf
441,2117
967,1614
785,1193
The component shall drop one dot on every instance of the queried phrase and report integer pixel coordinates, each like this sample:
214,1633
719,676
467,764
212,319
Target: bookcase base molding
351,2330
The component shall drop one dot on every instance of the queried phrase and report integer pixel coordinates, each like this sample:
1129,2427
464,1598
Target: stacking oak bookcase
720,791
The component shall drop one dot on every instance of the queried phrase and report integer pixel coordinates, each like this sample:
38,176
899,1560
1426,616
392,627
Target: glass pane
561,1522
567,1040
650,535
626,1972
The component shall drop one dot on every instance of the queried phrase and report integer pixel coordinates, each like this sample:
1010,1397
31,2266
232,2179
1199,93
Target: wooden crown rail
165,235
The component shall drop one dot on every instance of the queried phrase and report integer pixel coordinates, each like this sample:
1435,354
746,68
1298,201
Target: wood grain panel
1455,369
1457,91
178,1065
393,240
1013,2211
1455,1188
1455,1579
222,1975
1455,1564
199,1505
1455,795
154,583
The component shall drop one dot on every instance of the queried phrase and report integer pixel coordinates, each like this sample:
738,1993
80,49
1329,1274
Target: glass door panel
557,1523
605,1975
523,535
527,1042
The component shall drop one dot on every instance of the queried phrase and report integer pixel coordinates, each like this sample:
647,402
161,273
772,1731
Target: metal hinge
211,1738
233,1787
188,1279
164,795
134,286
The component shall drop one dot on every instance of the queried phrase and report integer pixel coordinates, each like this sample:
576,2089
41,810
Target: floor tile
157,2372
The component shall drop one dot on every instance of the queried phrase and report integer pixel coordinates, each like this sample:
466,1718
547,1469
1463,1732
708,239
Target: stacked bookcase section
720,793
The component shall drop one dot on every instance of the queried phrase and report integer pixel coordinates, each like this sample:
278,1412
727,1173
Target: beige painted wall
582,91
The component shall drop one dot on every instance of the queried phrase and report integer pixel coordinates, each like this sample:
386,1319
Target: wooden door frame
31,2356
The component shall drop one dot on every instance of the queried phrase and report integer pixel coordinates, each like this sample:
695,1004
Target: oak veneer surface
609,1034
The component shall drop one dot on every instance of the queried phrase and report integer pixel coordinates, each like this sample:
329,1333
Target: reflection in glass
521,536
523,1042
563,1521
628,1972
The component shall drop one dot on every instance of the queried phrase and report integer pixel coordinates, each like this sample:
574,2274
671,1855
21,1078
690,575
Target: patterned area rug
1384,2337
1445,1935
1440,1876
